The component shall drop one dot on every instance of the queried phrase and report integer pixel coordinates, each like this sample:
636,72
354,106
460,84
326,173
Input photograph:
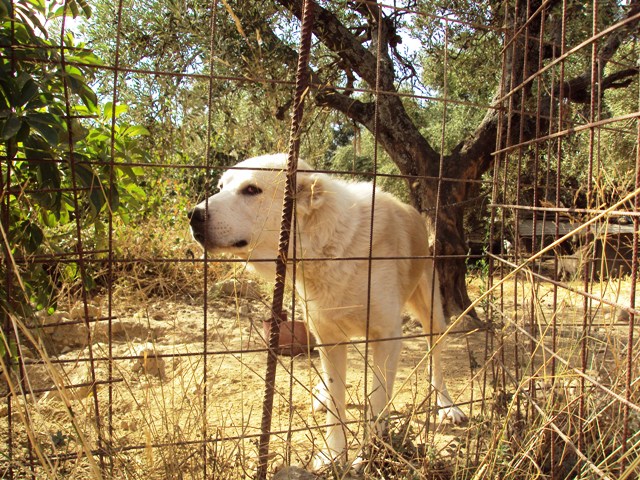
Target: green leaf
73,6
135,130
48,174
107,113
10,127
33,236
36,147
71,271
78,132
29,15
78,85
11,90
90,180
45,125
23,133
5,7
29,90
114,198
49,219
86,175
86,58
98,133
136,192
86,8
131,172
73,9
48,183
4,100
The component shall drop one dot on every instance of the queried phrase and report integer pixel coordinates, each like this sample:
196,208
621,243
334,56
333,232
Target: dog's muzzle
197,218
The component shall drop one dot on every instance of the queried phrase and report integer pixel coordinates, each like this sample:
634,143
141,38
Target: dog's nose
196,215
197,223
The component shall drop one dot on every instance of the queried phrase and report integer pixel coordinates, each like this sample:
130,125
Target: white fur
333,220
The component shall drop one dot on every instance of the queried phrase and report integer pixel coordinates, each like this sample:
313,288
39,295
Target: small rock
623,316
149,362
54,319
78,311
294,473
239,288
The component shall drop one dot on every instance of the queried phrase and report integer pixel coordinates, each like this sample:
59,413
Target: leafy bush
69,162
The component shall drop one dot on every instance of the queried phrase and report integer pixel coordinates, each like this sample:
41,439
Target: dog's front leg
385,364
334,369
447,408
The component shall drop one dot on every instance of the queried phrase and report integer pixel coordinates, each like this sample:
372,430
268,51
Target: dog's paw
358,464
453,414
320,398
326,460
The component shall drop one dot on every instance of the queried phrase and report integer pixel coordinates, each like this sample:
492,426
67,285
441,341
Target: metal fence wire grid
504,135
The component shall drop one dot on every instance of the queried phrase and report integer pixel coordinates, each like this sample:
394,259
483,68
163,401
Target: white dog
333,220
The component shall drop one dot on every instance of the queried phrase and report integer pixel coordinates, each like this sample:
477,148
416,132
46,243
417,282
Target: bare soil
182,395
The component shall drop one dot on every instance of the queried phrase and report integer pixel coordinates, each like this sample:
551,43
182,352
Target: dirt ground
174,399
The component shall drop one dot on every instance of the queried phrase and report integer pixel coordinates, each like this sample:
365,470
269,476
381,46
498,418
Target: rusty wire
302,81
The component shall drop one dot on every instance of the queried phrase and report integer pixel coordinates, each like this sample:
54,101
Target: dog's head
244,216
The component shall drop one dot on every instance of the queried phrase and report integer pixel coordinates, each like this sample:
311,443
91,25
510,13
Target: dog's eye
251,190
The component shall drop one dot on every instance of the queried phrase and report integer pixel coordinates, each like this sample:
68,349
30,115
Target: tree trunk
445,214
451,250
444,206
400,137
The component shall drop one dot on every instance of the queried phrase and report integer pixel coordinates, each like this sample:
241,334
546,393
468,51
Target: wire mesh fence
128,352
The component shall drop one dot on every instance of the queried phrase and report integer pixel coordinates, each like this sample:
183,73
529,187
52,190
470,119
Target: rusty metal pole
302,83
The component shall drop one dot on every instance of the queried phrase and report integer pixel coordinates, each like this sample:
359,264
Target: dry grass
140,399
561,367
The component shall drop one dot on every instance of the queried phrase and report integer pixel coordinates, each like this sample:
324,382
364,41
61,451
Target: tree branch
578,90
356,110
472,156
395,127
328,28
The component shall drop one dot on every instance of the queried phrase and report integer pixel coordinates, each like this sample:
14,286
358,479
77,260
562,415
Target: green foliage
360,156
71,155
64,153
176,37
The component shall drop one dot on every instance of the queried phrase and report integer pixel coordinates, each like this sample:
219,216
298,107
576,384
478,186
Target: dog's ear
310,193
